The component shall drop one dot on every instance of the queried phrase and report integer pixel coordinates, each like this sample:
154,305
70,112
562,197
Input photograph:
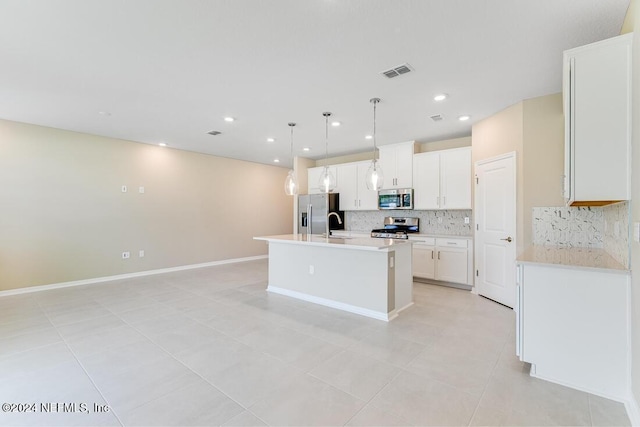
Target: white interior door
495,236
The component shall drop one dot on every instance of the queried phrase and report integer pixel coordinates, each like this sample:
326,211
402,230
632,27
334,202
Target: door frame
509,155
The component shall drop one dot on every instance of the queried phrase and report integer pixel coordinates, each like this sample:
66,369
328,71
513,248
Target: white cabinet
443,259
572,326
597,109
442,179
313,176
424,260
396,161
354,194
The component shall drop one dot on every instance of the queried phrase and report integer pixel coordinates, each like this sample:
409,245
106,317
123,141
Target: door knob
508,239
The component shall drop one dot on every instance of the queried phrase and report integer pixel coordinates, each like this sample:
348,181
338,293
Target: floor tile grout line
484,389
191,370
113,411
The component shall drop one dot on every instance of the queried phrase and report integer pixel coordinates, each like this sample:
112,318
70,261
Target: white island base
370,277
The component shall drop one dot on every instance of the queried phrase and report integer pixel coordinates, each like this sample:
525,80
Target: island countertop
578,258
359,243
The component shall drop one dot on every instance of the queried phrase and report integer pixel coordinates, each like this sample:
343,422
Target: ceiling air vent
396,71
214,132
436,117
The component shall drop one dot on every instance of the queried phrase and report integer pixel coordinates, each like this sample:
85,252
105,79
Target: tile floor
211,347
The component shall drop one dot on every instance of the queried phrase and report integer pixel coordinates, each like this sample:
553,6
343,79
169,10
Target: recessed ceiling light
440,97
368,137
464,118
229,119
271,139
335,124
163,144
276,160
306,149
104,113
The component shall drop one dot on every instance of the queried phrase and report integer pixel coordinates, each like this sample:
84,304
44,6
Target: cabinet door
313,176
455,179
600,120
404,166
423,261
426,181
367,199
451,265
387,161
348,186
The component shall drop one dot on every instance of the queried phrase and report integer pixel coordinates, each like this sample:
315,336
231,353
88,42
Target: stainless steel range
396,228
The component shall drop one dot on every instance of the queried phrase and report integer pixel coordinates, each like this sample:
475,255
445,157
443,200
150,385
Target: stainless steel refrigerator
312,213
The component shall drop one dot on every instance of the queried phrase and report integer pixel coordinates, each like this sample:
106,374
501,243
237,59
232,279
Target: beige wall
64,217
445,144
542,157
534,129
499,134
635,210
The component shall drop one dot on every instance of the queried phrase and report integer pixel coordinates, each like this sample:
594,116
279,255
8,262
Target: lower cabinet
572,326
442,259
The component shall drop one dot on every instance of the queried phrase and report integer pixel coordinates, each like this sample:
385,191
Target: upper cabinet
597,108
354,195
442,179
313,176
396,161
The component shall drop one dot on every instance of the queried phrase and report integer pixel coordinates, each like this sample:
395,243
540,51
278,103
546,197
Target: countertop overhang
572,257
359,243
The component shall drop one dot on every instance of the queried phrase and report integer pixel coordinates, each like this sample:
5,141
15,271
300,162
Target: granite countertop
362,243
572,257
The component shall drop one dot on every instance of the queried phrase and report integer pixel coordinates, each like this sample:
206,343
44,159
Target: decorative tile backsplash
449,223
616,238
566,226
599,227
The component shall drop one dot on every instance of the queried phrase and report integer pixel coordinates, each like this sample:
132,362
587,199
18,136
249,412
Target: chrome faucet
329,216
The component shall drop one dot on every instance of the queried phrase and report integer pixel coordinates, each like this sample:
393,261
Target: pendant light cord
326,137
291,125
375,147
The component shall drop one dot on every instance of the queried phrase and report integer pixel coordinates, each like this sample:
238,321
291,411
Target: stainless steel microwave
401,198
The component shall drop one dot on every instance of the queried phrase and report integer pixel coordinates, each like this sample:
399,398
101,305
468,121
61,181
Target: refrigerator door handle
310,214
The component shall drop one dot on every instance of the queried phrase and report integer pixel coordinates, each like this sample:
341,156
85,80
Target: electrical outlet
311,270
466,220
141,190
439,220
123,188
141,253
636,231
126,255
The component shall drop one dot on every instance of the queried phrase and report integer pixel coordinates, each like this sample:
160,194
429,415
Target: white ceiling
170,70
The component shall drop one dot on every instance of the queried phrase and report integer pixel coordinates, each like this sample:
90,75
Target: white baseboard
334,304
618,398
633,410
126,276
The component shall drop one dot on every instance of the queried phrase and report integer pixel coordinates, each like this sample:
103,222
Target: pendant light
374,178
327,181
291,183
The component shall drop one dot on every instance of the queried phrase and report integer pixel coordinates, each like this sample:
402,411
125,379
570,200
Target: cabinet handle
438,254
359,202
431,254
444,200
438,201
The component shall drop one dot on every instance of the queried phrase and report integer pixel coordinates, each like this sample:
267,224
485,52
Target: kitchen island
367,276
